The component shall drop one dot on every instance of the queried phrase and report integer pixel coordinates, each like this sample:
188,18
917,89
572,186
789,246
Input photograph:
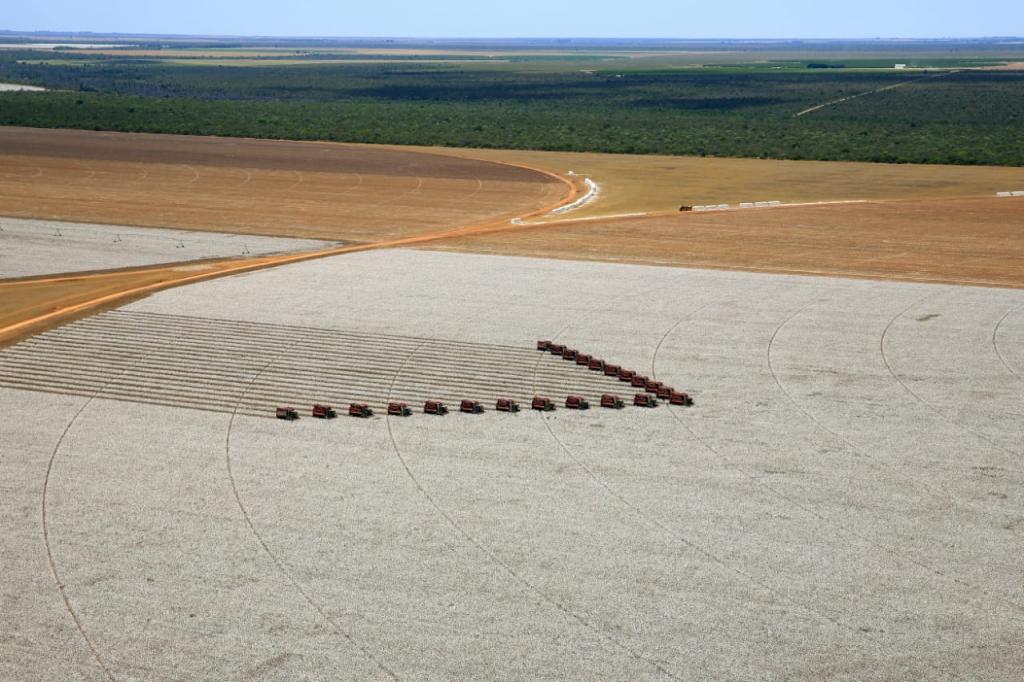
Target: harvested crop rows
823,490
845,495
250,368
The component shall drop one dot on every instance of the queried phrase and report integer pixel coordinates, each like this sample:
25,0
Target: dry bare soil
960,241
322,191
636,183
920,223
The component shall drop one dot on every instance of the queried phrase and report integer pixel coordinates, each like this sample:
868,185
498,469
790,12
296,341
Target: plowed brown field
324,191
961,241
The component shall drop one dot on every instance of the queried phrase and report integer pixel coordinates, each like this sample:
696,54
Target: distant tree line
964,118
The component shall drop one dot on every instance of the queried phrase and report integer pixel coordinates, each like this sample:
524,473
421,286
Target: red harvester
577,402
434,407
506,405
398,410
470,407
645,400
680,398
359,410
609,400
542,404
324,412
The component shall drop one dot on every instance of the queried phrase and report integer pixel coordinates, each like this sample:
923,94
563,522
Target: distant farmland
702,104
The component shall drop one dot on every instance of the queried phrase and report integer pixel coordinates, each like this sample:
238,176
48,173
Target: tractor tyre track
821,518
496,560
338,629
44,508
645,518
995,342
920,399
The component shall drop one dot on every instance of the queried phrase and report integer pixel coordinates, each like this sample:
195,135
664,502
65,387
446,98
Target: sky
527,18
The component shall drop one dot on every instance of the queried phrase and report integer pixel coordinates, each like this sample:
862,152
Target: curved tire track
920,399
338,629
825,520
495,559
938,493
638,512
49,545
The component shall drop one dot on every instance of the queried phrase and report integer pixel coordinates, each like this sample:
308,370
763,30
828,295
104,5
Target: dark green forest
964,117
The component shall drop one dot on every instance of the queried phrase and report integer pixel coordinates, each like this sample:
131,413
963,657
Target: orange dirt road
958,241
30,305
388,197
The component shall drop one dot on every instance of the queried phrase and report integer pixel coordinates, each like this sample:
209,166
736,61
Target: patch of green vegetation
732,109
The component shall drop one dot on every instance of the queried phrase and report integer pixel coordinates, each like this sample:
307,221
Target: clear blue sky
527,18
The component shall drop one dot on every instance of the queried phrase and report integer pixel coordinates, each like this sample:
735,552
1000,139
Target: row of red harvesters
397,409
656,389
653,390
